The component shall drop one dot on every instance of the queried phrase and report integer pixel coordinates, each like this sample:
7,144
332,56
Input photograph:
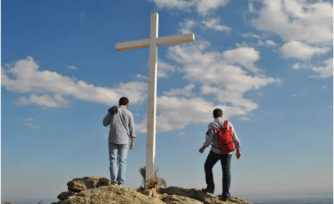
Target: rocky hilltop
96,190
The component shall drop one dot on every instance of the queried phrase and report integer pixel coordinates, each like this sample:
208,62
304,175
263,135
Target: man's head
124,101
217,113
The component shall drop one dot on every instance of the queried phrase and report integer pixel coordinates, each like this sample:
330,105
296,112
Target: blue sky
267,64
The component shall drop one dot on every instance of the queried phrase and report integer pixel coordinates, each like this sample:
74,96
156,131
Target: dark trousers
225,160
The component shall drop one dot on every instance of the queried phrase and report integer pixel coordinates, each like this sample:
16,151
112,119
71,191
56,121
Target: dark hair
217,113
123,101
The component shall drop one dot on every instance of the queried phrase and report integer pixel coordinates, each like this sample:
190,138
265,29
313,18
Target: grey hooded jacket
121,125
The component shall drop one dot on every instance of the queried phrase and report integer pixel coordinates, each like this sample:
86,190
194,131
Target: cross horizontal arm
168,40
133,44
174,39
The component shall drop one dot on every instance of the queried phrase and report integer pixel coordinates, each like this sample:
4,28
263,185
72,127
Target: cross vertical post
153,42
152,104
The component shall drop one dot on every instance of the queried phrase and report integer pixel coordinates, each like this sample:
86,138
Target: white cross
153,42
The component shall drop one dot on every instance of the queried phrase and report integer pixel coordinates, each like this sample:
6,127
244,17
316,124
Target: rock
82,184
95,190
172,190
113,194
200,196
65,195
174,199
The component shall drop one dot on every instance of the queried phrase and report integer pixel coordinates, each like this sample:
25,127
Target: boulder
82,184
65,195
174,199
95,190
199,195
113,194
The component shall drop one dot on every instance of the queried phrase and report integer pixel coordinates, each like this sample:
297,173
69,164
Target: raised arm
208,139
106,121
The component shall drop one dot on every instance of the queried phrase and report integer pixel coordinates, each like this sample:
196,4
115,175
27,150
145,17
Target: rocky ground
95,190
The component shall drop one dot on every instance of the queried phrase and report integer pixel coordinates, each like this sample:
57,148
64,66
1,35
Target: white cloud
179,4
321,72
140,76
216,71
164,69
72,67
223,75
306,28
268,43
213,23
251,8
25,77
325,71
299,65
243,55
141,127
186,91
174,113
244,119
187,26
222,78
297,20
44,100
202,6
29,123
301,50
177,112
250,35
296,66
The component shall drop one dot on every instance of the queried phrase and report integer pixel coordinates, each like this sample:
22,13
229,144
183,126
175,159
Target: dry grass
154,182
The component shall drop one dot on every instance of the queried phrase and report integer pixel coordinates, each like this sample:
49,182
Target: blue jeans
225,160
117,158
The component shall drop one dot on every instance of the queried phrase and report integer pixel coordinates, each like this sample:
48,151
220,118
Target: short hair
217,113
123,101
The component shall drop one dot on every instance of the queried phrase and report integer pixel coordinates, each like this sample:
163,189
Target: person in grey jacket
215,155
121,129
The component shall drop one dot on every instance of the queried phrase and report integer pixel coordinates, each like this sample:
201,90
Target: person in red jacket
215,155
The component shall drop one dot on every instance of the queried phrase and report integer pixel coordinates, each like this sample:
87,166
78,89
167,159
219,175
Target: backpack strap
225,124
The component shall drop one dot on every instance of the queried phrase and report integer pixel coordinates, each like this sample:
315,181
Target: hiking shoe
208,190
225,198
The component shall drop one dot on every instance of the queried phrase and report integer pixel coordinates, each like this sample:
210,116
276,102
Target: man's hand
113,110
201,150
238,154
132,143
